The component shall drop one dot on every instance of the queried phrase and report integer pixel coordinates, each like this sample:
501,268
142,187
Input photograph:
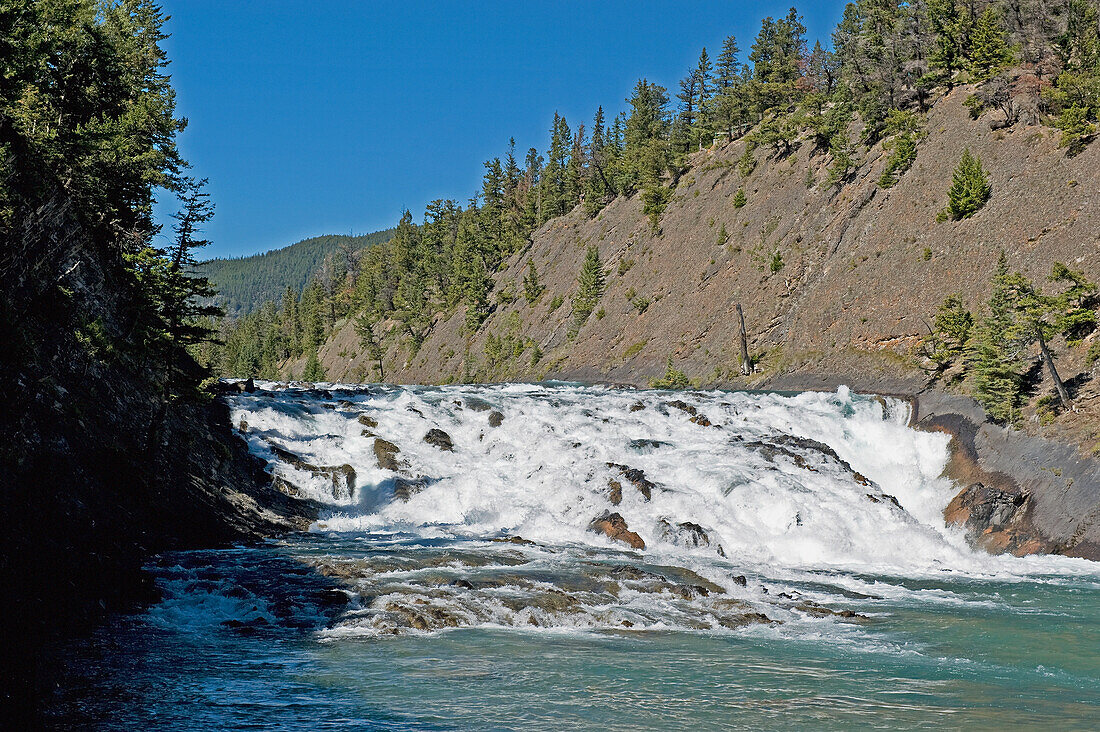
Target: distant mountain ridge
245,283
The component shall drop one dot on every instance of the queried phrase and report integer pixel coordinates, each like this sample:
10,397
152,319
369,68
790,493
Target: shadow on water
229,644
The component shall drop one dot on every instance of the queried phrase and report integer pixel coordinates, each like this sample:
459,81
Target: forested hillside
244,283
113,447
779,150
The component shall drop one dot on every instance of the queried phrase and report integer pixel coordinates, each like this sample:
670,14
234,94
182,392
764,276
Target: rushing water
795,572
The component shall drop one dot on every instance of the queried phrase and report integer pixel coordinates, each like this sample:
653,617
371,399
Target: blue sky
332,117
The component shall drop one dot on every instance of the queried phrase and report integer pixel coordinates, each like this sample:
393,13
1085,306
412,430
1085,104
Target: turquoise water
796,573
962,653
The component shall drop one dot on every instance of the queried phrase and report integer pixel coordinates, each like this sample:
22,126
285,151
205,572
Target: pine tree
970,188
989,51
313,371
478,287
532,290
994,353
590,286
646,155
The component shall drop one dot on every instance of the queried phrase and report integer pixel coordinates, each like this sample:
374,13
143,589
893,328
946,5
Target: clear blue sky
332,117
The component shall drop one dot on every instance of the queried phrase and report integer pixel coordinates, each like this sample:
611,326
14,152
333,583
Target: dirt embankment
863,269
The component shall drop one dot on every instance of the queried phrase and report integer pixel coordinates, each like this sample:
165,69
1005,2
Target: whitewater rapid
739,499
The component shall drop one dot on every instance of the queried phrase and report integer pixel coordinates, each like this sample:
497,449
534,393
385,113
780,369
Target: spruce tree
313,371
970,188
989,51
590,286
994,353
532,290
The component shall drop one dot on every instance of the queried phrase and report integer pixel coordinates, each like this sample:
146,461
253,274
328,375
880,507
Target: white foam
543,473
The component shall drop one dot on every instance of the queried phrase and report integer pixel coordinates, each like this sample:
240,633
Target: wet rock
615,492
285,486
688,534
478,405
740,580
438,438
820,611
646,445
242,426
406,488
996,520
495,418
637,407
701,420
464,584
343,481
683,407
386,453
368,421
614,527
342,476
513,540
882,498
636,478
249,385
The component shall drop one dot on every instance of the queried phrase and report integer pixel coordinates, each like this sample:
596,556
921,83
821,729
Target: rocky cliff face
863,269
94,474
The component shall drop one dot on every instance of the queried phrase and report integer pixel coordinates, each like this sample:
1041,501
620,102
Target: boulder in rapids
688,534
637,407
478,405
495,418
386,453
996,520
683,407
636,478
613,526
406,488
615,492
368,421
438,438
342,476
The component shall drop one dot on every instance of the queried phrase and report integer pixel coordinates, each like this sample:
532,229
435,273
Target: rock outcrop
613,526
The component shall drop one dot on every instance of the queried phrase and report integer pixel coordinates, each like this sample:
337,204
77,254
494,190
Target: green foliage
951,332
654,201
747,162
906,130
1077,128
995,352
673,378
723,235
556,302
532,290
1020,315
989,51
776,262
739,199
842,164
634,349
314,371
245,283
590,287
970,188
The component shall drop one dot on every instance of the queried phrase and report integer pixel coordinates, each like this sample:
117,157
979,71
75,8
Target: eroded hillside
863,269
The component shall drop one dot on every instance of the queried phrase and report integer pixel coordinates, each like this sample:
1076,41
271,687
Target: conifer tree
532,290
313,371
970,188
646,155
994,353
590,286
989,51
